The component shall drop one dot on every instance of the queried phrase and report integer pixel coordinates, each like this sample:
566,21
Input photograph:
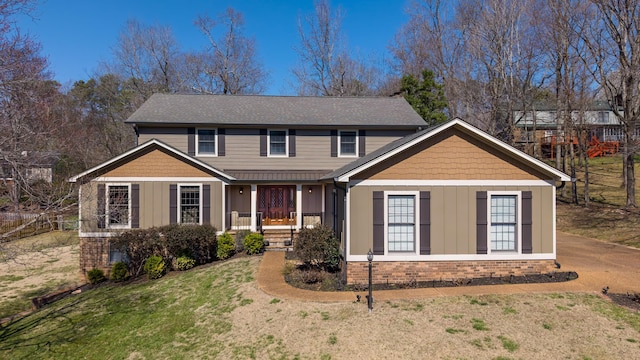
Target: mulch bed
628,300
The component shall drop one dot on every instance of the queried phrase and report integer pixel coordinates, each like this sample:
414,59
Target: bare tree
325,67
149,57
230,64
613,42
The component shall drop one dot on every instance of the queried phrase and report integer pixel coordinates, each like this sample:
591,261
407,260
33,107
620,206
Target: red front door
277,203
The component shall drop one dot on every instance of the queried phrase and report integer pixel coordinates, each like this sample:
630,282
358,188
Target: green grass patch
479,324
547,326
454,331
274,301
508,344
170,314
509,311
332,339
10,278
478,302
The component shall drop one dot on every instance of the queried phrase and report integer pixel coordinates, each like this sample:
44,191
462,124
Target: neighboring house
446,202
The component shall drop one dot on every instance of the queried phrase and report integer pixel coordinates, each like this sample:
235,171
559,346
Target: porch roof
277,175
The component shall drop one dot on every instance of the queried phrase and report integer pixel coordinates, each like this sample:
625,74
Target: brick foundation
398,272
94,254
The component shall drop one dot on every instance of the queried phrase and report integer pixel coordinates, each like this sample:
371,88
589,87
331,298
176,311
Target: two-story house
424,200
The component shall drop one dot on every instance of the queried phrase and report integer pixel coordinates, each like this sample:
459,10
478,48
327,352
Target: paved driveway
597,263
600,264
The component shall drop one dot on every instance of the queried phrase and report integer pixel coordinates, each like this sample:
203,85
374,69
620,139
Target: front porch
258,208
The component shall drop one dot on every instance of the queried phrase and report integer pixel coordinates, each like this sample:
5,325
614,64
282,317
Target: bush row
180,247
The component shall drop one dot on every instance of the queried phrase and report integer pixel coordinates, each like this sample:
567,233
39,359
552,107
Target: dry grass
606,218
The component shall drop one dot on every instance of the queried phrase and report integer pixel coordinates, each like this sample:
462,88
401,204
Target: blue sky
76,35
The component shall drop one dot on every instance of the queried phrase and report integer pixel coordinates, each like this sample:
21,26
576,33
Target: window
401,223
504,222
116,255
603,117
278,143
206,139
118,206
189,205
348,143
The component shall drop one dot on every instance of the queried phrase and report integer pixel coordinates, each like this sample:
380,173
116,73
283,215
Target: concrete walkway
597,263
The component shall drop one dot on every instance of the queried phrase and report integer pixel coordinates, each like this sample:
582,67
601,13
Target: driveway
597,263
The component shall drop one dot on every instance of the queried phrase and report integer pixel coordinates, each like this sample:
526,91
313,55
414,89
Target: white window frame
518,230
286,146
108,224
179,217
215,142
340,154
416,220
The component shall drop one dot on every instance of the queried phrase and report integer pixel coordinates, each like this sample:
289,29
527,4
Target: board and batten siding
453,217
153,203
242,147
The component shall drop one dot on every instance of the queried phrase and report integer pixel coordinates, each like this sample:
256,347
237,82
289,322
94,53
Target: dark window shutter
221,142
263,142
135,206
292,143
425,223
191,141
206,204
173,204
527,211
481,222
362,151
334,143
378,223
102,212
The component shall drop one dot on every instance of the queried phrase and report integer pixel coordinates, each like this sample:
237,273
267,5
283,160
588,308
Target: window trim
107,223
286,141
215,142
416,223
518,233
357,142
179,205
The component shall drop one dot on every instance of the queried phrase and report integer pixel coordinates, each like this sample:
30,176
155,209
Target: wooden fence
18,225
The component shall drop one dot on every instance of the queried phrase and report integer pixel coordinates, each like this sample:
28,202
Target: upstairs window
278,143
206,139
348,143
118,206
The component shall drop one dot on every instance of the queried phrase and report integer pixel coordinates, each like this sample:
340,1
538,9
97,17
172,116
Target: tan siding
453,217
175,137
361,212
462,224
438,220
156,164
216,205
154,204
89,200
451,155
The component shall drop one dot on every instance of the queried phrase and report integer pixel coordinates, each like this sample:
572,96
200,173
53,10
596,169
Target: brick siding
407,271
94,254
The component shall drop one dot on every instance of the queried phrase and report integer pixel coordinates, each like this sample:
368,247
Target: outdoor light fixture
370,297
309,189
241,191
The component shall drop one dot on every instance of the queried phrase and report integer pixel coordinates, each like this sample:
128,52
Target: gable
451,155
156,163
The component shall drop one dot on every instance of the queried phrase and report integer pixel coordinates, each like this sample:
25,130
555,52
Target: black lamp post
370,297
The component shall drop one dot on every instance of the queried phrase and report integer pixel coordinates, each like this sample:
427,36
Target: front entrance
277,203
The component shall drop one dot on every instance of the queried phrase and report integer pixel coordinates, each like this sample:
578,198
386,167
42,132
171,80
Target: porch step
279,240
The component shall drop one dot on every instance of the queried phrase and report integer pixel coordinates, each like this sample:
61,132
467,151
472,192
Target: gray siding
242,148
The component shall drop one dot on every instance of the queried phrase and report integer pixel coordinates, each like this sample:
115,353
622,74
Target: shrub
318,247
254,243
95,276
226,246
184,262
119,271
154,266
171,241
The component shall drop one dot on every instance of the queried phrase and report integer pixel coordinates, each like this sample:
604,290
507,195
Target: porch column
254,207
298,206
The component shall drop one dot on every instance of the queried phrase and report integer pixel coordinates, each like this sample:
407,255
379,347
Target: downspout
335,226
